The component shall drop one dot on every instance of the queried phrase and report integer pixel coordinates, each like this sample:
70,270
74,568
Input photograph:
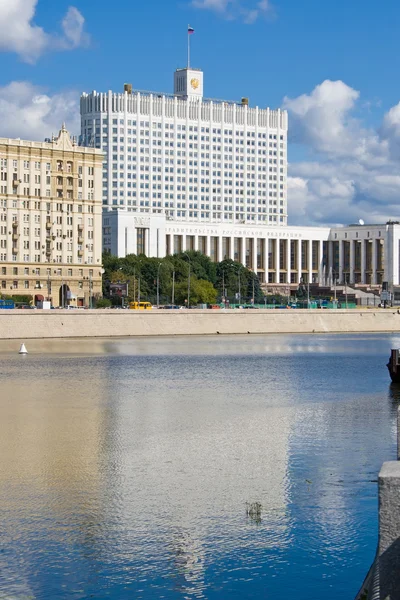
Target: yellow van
140,305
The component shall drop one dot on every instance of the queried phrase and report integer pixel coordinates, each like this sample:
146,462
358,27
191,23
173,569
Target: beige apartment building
50,220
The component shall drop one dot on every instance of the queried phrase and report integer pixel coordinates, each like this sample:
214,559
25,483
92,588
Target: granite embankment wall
17,324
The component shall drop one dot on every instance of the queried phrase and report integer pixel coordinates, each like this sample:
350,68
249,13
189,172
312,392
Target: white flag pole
188,59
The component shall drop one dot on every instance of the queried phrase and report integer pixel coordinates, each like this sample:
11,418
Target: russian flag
190,30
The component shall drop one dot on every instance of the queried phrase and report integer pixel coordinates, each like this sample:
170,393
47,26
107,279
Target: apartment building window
69,272
26,285
3,285
15,285
4,270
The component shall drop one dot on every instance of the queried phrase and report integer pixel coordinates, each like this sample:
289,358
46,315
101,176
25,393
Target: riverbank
17,324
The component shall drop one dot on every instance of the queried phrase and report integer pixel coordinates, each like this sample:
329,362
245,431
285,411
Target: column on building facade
321,262
147,241
232,248
196,243
277,260
134,240
265,260
309,261
330,262
340,274
208,250
352,259
288,270
220,249
299,273
363,261
374,261
243,251
254,257
183,243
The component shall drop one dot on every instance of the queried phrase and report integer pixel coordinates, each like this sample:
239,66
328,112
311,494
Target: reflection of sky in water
125,465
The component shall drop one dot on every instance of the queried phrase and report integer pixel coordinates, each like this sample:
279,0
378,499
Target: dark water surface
126,465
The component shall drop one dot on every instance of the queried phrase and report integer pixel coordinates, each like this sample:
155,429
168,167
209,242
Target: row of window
38,271
37,258
87,123
26,285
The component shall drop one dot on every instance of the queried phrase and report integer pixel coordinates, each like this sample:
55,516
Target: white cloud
353,171
19,34
26,112
73,24
247,10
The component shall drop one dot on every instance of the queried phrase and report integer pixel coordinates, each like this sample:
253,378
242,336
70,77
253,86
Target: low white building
356,254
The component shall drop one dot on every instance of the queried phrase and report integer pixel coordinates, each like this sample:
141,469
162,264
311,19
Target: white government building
182,172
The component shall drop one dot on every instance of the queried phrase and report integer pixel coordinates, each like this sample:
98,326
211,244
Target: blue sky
333,65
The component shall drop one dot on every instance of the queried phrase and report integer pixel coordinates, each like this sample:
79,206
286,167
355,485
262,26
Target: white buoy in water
23,349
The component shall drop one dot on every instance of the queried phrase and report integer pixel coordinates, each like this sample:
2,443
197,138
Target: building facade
189,158
50,220
182,172
357,254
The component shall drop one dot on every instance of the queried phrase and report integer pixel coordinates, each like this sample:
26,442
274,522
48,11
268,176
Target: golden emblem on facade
194,83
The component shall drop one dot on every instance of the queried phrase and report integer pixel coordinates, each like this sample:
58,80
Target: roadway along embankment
36,324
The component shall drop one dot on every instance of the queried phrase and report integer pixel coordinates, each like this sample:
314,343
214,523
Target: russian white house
182,172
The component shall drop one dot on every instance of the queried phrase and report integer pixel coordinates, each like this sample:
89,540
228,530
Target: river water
126,466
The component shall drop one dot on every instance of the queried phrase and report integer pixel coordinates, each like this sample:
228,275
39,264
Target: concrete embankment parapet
26,324
389,531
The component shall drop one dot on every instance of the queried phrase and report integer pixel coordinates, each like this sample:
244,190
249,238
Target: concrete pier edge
39,324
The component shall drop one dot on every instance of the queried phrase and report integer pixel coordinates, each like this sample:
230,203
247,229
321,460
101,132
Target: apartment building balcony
15,237
80,227
15,250
48,225
15,224
80,253
80,240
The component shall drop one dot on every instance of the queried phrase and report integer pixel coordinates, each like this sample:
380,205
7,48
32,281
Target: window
26,285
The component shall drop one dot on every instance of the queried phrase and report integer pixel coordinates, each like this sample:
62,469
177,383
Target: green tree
201,292
103,303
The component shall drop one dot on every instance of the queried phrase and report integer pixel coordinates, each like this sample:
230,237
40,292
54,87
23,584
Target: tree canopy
209,281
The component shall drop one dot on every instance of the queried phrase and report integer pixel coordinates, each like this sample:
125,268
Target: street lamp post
239,294
90,290
48,287
90,283
158,284
173,288
188,298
